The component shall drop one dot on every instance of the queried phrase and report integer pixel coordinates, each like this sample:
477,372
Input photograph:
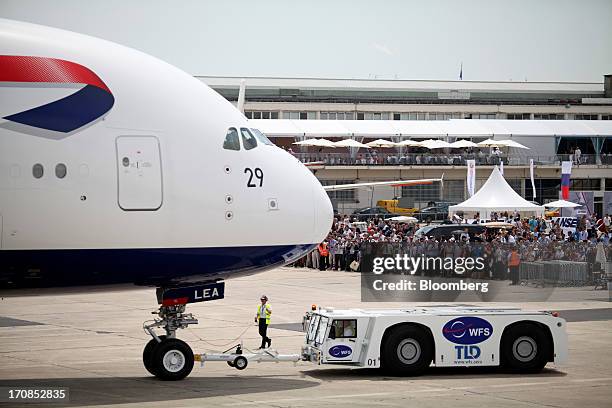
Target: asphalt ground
91,341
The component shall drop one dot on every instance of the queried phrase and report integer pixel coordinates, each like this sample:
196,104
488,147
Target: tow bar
240,360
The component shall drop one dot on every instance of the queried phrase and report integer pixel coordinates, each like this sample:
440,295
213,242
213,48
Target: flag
461,72
471,176
566,172
532,180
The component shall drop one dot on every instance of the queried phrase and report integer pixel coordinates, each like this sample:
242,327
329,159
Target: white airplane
116,167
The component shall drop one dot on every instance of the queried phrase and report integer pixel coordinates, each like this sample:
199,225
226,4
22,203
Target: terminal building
552,119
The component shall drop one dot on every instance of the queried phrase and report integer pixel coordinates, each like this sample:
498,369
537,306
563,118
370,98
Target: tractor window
231,141
248,140
346,329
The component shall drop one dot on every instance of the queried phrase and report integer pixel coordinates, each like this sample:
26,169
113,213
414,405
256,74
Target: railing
449,159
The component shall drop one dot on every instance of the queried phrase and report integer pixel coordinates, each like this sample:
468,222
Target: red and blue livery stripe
66,114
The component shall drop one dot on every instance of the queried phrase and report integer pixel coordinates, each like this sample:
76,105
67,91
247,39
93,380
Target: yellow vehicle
552,212
393,207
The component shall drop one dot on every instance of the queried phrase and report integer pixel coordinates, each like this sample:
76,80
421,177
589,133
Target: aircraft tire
172,360
147,353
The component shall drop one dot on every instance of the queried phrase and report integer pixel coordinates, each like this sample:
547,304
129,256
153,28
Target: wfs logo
467,330
340,351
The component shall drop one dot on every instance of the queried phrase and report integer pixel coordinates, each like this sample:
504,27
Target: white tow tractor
407,341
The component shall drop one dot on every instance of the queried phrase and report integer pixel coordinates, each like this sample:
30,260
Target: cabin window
38,170
232,141
248,140
346,328
60,170
261,137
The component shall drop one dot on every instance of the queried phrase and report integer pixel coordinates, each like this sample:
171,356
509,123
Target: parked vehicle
371,212
437,212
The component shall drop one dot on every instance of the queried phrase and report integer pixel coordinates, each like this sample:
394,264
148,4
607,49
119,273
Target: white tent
496,195
562,204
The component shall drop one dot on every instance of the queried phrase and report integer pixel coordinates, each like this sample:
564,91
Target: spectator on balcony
577,154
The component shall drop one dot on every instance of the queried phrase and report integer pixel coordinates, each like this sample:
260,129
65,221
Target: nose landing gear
165,356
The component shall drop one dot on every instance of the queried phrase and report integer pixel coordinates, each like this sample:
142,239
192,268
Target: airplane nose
323,212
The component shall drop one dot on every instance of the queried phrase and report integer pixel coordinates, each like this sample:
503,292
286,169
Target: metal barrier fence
437,159
555,273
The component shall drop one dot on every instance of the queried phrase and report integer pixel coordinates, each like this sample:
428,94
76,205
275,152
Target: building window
609,184
337,115
231,141
261,115
548,116
60,170
518,116
454,191
299,115
585,184
606,117
341,196
375,115
480,116
38,170
583,116
422,194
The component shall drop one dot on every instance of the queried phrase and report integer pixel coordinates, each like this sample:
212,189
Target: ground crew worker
264,310
323,254
514,261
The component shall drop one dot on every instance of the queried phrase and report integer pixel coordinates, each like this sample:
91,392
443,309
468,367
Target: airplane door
139,173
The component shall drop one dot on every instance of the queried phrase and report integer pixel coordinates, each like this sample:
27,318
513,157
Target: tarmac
91,341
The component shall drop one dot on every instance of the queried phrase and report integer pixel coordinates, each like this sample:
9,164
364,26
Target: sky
533,40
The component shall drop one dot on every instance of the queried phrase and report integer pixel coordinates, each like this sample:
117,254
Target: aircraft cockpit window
261,137
232,142
248,140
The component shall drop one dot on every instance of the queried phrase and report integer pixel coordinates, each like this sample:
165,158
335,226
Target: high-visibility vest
267,312
323,250
515,259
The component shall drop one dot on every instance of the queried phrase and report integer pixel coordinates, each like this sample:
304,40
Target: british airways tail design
117,167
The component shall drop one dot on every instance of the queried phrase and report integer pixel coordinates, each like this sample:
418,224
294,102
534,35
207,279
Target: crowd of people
530,239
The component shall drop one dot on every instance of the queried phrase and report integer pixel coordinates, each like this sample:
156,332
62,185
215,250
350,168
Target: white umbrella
307,142
381,143
434,144
491,142
404,219
350,143
562,204
459,144
512,143
409,143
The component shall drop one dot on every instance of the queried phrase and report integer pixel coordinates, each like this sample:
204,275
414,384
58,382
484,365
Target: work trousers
263,332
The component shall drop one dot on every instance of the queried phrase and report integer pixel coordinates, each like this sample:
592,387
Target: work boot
269,342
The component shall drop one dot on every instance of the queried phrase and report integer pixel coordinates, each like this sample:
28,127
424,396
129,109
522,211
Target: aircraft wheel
231,364
241,362
147,353
407,350
172,360
525,348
